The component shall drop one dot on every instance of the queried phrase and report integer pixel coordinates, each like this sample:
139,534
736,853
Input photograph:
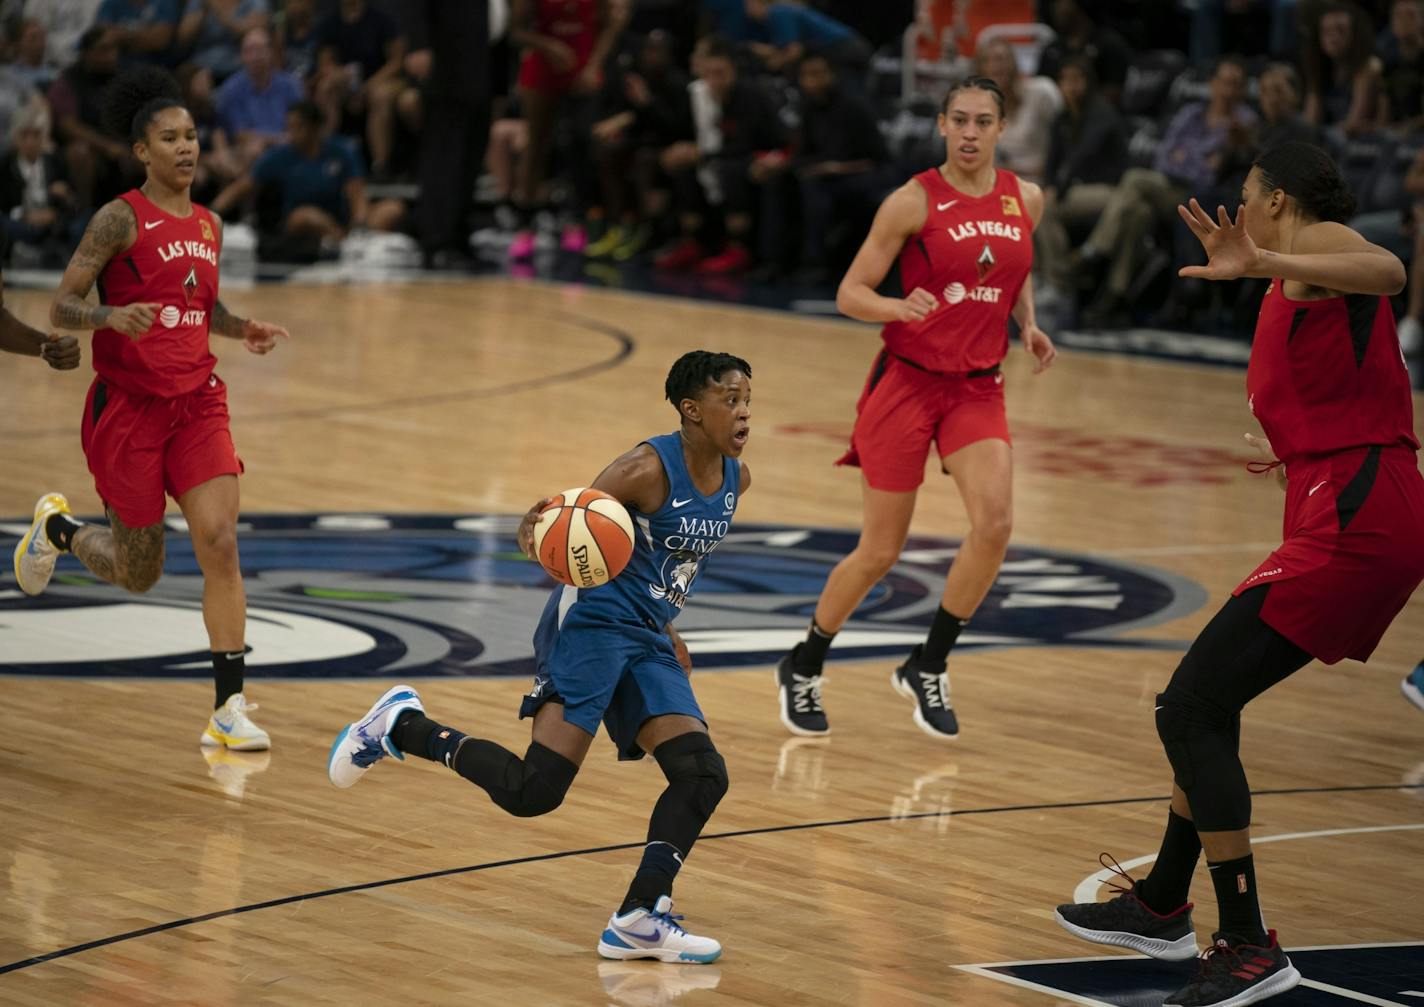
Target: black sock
60,529
812,652
1165,889
655,876
227,675
1235,883
943,632
416,734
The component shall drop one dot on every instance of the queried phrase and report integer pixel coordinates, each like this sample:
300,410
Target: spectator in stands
1087,156
15,93
294,28
64,21
1186,163
35,199
563,60
1411,326
1079,33
145,29
781,33
839,159
1030,106
646,113
1401,105
1341,73
31,56
318,182
716,178
359,80
252,104
212,31
94,159
1281,121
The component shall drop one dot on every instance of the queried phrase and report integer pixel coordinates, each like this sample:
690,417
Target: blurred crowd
718,137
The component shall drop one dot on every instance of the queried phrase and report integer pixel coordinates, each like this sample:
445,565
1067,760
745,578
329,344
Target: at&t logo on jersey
170,317
956,292
412,595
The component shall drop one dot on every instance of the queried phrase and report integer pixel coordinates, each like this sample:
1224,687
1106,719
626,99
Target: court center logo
357,595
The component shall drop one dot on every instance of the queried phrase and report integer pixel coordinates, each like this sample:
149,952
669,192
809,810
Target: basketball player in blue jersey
610,653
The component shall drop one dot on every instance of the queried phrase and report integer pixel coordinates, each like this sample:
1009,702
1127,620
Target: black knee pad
1202,744
546,778
691,761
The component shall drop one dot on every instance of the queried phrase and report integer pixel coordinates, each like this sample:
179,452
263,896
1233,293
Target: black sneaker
1234,973
1127,922
929,688
800,699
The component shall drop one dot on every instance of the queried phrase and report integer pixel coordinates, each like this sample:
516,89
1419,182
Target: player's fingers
1194,271
1191,221
1221,216
1201,215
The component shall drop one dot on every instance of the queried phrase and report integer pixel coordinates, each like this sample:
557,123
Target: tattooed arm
259,337
111,232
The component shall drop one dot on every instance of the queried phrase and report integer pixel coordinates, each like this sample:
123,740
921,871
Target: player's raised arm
900,216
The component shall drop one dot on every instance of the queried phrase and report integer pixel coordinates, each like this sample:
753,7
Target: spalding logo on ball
584,537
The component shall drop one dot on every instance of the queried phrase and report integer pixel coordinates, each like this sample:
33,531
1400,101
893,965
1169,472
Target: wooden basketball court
861,869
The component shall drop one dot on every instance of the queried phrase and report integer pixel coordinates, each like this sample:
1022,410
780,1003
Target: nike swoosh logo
1316,487
945,206
681,503
653,936
150,225
224,728
235,656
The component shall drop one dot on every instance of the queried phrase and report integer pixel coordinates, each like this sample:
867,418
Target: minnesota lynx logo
410,595
676,584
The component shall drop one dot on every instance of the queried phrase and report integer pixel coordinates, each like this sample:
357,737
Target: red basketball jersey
1328,375
173,263
974,254
573,22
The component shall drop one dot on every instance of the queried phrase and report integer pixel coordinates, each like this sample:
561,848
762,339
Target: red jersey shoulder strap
932,182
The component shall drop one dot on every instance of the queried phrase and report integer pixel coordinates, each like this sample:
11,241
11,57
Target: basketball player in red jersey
963,233
1328,385
60,352
565,44
156,417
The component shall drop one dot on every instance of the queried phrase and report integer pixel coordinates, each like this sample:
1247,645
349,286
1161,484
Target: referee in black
449,53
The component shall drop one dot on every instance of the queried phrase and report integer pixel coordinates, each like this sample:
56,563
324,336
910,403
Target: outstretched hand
261,337
1036,341
1230,252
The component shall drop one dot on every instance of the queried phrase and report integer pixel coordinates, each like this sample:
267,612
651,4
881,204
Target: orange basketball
584,537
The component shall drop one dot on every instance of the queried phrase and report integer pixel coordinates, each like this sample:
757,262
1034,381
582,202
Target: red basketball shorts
903,409
537,74
1353,551
140,447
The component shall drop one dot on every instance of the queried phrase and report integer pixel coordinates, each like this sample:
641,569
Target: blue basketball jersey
669,547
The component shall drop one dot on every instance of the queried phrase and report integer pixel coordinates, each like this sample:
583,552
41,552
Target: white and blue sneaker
644,933
35,554
361,745
230,727
1413,686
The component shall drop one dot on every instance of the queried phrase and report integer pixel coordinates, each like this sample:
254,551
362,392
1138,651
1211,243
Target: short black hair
974,84
135,97
718,47
91,37
691,372
1309,176
307,110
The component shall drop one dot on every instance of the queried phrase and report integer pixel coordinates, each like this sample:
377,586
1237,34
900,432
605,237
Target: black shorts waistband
983,372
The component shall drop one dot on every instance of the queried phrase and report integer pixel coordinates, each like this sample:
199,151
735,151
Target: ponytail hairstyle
135,97
973,84
1309,176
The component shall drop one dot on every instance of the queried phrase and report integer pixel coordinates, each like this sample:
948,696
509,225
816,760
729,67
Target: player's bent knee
692,763
1201,742
547,776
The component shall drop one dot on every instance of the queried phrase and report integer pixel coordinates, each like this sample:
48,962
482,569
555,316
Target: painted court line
1058,994
1087,890
1363,998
